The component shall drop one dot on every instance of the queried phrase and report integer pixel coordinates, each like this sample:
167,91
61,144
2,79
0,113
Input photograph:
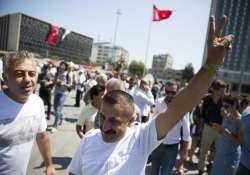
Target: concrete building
236,68
167,74
162,62
103,52
22,32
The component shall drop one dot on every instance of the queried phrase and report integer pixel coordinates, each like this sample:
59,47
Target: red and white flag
52,37
159,15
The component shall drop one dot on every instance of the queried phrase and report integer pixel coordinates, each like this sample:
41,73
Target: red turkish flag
159,15
53,35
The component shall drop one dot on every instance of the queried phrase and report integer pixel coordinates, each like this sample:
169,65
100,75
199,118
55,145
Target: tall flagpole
147,44
118,13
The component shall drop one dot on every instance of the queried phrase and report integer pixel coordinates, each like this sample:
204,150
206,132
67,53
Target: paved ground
64,143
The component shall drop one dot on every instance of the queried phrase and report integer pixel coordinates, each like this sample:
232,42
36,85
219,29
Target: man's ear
132,119
4,77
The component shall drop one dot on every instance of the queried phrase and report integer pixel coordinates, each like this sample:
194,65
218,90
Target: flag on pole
52,37
159,15
66,32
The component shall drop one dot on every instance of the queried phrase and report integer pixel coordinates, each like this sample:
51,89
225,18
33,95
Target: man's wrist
48,162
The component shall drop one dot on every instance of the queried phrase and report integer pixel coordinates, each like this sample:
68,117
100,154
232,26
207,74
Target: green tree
188,72
120,64
136,68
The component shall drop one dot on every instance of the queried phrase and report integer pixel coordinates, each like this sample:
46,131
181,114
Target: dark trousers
163,159
242,170
46,97
78,97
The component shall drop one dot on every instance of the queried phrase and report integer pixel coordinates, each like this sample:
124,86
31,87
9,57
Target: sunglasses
170,92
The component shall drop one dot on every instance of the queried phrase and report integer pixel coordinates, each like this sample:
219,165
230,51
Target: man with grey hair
22,117
114,84
102,79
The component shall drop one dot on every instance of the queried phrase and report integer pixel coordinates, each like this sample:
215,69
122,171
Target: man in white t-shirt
87,117
22,117
144,99
164,156
117,149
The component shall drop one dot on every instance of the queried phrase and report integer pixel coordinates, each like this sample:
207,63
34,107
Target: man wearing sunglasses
164,156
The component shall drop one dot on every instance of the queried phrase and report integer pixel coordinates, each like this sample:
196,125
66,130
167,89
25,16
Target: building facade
167,74
104,52
162,62
236,68
22,32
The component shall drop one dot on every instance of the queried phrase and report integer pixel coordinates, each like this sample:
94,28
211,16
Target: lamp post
118,13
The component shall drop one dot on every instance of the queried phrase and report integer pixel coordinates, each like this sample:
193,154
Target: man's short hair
120,97
14,58
102,79
218,84
245,101
171,83
95,91
231,100
115,84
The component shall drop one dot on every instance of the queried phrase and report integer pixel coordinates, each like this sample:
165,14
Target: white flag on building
66,32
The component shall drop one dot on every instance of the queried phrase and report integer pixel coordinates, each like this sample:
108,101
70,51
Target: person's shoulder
160,100
36,99
92,133
246,112
1,93
207,97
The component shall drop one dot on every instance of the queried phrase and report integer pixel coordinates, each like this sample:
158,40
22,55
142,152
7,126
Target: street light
118,13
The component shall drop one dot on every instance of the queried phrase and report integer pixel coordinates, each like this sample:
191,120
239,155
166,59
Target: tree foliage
188,72
136,68
120,64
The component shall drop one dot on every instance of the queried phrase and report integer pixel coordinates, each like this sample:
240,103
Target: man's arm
42,140
79,131
192,94
147,97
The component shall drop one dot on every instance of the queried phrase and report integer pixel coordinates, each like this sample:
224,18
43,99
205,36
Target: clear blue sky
182,36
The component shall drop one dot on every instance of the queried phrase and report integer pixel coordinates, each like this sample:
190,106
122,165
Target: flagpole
118,13
147,44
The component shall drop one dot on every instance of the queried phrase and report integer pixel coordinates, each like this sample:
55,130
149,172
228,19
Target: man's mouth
27,88
109,132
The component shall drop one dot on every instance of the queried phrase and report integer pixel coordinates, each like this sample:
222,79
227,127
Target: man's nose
27,77
106,126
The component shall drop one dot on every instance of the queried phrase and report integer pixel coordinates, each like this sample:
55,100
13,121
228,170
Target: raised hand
217,44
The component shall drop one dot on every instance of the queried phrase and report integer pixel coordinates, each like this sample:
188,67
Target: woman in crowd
228,149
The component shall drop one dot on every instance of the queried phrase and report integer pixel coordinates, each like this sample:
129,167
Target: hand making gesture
217,44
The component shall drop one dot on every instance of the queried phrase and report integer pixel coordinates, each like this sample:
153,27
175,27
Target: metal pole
118,13
148,41
147,44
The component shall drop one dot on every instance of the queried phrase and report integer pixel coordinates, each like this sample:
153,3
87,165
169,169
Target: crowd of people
126,121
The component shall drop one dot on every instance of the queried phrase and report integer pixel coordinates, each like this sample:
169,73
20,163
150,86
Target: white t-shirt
19,125
174,135
87,117
128,156
143,100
